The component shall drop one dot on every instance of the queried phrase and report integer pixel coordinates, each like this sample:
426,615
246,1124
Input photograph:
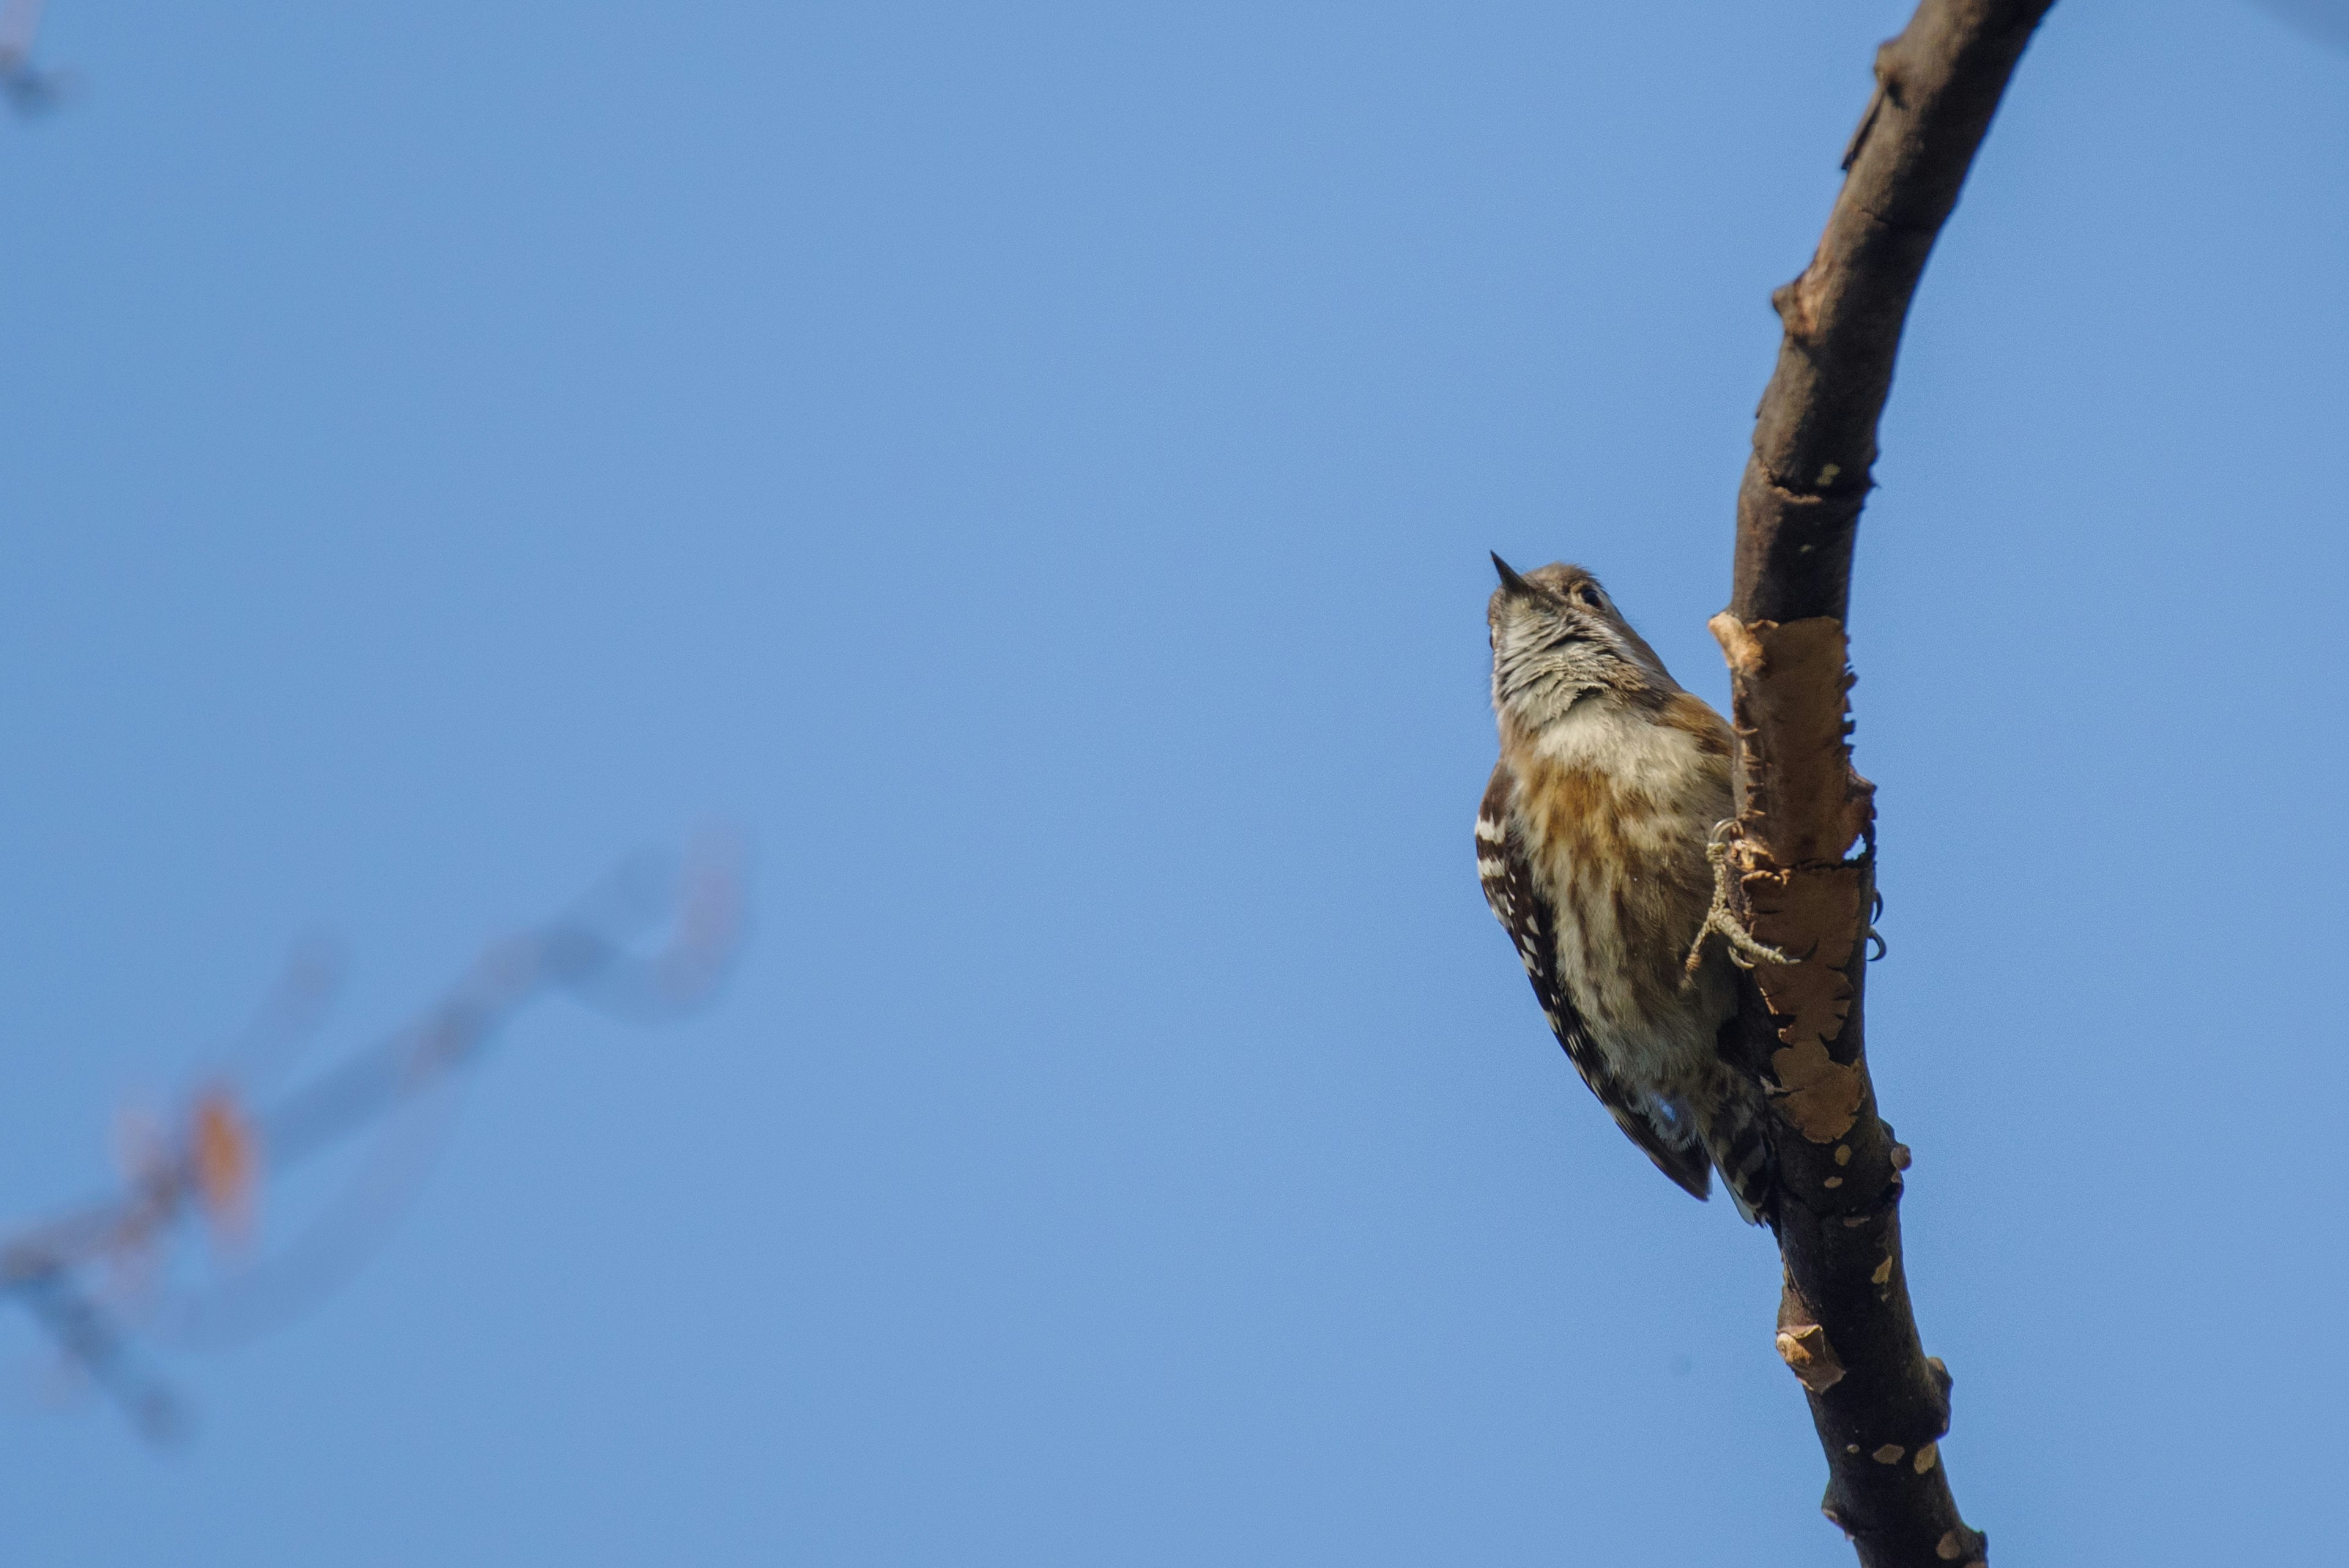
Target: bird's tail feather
1735,1127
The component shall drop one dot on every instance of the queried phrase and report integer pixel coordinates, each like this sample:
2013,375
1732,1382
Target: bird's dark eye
1589,596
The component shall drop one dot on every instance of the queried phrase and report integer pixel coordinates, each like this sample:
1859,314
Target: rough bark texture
1804,855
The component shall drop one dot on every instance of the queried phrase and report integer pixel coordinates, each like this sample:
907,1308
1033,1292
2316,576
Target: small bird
1593,841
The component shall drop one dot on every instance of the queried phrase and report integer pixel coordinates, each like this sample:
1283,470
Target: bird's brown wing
1532,925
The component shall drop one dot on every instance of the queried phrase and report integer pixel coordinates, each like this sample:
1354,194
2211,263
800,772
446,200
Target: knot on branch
1807,510
1797,310
1955,1543
1803,1344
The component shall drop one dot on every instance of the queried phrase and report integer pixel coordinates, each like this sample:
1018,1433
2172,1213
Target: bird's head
1558,638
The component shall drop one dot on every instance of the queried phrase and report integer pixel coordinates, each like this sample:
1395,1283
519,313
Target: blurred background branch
29,89
85,1272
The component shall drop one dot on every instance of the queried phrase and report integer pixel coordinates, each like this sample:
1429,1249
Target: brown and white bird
1592,847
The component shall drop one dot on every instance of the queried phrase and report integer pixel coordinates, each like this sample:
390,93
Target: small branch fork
1801,860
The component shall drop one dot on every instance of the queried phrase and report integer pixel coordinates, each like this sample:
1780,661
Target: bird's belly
1621,812
1625,926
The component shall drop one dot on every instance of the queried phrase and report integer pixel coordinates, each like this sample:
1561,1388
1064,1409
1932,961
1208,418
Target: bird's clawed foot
1745,951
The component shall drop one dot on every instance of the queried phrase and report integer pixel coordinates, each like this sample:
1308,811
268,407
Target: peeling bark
1804,861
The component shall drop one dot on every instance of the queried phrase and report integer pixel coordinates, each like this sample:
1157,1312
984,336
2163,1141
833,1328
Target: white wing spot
1489,829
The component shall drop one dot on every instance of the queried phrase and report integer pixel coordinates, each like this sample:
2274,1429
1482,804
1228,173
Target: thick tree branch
1804,855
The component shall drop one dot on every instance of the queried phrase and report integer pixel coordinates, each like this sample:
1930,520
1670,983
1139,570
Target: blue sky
1031,467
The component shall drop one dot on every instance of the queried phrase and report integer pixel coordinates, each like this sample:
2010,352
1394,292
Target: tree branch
1845,1326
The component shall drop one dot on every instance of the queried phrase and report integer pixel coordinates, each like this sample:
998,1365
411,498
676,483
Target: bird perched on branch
1599,847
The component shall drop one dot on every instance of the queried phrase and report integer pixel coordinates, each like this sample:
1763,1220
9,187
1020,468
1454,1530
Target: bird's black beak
1509,578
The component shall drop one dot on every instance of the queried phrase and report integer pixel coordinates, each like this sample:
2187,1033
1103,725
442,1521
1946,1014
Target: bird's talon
1745,951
